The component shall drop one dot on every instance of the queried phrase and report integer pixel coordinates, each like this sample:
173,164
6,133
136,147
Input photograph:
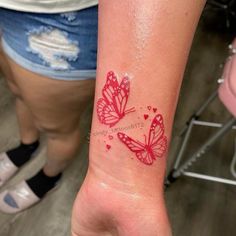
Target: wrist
129,210
127,179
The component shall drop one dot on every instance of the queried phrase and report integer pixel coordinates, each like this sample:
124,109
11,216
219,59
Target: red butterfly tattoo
112,107
153,148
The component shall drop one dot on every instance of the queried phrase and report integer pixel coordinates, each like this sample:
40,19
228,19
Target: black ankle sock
21,154
40,184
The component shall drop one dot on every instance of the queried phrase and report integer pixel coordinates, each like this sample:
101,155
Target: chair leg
189,125
177,172
233,162
201,109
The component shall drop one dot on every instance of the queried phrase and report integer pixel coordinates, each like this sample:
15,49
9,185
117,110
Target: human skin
149,42
51,106
27,129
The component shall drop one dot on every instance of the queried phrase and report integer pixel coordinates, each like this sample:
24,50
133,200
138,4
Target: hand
102,209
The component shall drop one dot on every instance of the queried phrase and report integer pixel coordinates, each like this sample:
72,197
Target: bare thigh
6,70
56,105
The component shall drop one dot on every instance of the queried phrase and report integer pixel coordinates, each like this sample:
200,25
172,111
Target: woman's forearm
144,46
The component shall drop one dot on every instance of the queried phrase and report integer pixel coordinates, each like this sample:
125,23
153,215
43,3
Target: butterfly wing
117,94
159,148
111,108
157,141
106,110
122,95
111,87
137,147
145,157
106,113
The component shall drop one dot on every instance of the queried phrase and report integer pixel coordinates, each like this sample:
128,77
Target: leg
61,151
5,68
28,131
56,107
14,158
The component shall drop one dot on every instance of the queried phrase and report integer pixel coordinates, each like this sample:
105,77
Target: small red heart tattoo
145,116
154,110
149,108
108,147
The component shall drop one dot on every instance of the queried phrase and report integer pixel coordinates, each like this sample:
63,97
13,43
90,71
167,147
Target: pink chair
227,94
227,90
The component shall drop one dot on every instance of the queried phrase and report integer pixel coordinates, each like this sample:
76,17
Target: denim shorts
60,46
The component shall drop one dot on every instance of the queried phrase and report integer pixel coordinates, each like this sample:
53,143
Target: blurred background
199,207
196,207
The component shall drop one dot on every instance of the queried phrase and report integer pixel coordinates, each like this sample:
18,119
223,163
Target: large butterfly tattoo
153,148
111,108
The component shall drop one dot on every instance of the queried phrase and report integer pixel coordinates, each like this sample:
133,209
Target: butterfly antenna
130,110
145,138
